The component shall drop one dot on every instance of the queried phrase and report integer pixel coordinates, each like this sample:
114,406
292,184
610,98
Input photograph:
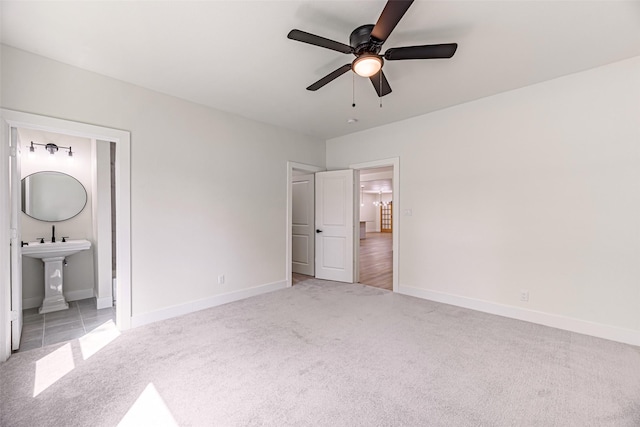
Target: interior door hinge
13,151
14,315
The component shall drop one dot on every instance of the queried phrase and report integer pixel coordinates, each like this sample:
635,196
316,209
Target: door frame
395,218
16,236
5,236
123,206
290,167
310,180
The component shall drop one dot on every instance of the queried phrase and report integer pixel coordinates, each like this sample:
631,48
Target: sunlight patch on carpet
97,339
148,410
52,367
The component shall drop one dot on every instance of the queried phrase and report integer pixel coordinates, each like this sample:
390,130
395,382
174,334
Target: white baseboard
104,302
190,307
69,296
78,295
613,333
32,302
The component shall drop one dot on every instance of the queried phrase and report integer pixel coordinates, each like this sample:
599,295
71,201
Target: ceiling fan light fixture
367,65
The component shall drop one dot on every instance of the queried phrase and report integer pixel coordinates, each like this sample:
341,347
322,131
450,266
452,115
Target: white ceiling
377,186
235,56
376,180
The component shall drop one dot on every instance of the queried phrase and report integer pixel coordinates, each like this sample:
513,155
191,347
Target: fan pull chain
380,94
353,103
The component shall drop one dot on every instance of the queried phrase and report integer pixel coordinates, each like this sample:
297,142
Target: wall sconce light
50,147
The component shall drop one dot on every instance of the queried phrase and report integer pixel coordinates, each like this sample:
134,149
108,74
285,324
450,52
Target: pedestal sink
53,254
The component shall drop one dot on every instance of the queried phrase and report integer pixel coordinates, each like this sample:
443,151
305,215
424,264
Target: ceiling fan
366,42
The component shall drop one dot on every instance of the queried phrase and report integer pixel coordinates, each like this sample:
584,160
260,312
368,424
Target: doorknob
318,231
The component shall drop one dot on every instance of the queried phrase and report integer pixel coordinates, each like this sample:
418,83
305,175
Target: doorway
376,227
300,264
14,119
303,226
392,163
81,181
383,169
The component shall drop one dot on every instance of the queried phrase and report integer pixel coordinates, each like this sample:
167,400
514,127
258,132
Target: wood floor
297,278
376,260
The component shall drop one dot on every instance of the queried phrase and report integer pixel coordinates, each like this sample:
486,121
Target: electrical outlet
524,296
221,279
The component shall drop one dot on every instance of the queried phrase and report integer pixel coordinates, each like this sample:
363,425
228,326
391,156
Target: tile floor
82,317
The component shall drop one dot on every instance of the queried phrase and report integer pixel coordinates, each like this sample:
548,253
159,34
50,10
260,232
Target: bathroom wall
78,274
102,231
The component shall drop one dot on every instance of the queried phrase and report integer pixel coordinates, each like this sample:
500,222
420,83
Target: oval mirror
52,196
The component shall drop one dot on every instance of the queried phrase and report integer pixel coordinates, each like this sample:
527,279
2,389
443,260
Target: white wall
102,221
368,212
197,176
78,274
535,189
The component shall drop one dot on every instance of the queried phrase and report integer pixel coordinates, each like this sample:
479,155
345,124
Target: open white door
334,225
16,242
303,226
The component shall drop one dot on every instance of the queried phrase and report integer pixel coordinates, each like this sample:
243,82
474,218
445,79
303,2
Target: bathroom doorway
121,140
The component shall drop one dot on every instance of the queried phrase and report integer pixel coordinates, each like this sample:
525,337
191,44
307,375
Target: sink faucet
53,234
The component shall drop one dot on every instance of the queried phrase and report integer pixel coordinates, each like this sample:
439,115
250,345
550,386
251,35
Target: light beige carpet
328,354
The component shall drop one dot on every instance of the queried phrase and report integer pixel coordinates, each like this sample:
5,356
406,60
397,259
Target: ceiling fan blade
330,77
421,52
305,37
382,87
393,11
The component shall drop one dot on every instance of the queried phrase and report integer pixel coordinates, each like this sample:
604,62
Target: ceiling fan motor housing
361,41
